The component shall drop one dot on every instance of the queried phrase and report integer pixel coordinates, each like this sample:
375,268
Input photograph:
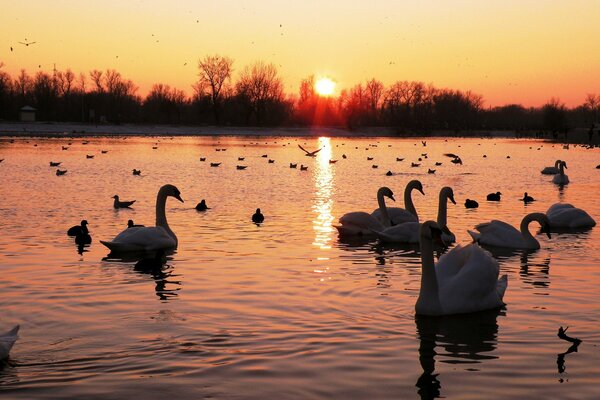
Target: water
285,310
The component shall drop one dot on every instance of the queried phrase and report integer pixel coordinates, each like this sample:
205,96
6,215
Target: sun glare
325,86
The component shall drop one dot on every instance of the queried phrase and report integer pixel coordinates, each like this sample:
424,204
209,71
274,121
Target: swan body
561,178
359,223
7,340
400,215
552,170
564,215
464,280
408,232
500,234
142,239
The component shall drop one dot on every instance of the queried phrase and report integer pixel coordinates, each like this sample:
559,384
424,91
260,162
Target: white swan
408,232
464,280
400,215
561,178
7,340
552,170
149,238
564,215
500,234
360,223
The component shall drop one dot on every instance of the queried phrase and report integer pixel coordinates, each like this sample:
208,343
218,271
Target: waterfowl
89,156
438,164
359,223
149,238
527,198
202,206
60,172
561,178
431,171
414,165
566,216
389,173
103,151
202,158
399,159
130,224
471,204
215,164
369,158
241,166
494,196
136,171
83,238
121,204
310,153
54,164
303,168
293,165
332,161
77,229
265,156
398,215
257,217
271,161
465,279
344,156
241,158
552,170
500,234
374,166
7,340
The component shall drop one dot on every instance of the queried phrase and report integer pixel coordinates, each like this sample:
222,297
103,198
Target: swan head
448,193
387,192
545,225
564,164
171,190
432,232
416,184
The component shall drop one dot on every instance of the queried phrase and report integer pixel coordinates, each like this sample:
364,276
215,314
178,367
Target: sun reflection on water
323,202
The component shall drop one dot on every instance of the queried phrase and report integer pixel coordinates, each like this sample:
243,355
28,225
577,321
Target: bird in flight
26,43
310,153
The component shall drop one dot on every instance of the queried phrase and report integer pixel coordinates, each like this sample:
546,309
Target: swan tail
384,237
122,247
501,286
475,235
7,340
12,334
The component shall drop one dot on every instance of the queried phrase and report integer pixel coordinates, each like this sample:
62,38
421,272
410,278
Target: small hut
27,114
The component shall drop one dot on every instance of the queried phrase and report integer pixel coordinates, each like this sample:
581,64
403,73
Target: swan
400,215
552,170
500,234
149,238
564,215
359,223
7,340
408,232
561,178
464,280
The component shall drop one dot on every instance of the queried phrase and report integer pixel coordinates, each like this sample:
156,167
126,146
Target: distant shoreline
50,129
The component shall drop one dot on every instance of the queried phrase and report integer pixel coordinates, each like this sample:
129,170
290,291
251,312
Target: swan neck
161,216
561,169
442,217
428,300
408,203
383,209
525,230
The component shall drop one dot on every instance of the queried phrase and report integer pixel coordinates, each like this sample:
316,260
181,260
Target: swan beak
452,199
421,190
548,234
178,197
392,197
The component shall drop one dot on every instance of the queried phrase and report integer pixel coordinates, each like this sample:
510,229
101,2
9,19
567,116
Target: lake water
285,310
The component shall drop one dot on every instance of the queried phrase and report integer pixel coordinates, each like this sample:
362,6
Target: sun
325,86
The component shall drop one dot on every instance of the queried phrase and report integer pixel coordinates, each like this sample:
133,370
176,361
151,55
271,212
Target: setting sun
325,87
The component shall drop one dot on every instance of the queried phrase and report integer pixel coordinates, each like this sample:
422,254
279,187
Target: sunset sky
508,51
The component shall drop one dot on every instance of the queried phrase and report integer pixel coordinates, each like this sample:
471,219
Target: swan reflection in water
155,265
461,339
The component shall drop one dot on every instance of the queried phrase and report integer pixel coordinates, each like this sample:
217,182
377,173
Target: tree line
257,98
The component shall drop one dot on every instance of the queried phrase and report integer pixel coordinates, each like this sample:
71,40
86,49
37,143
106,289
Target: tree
554,115
592,105
215,71
260,90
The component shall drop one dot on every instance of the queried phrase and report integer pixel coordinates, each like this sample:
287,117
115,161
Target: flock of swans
465,279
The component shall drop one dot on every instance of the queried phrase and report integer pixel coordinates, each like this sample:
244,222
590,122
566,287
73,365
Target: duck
561,178
241,167
83,238
303,168
471,204
7,340
143,239
567,216
60,172
215,164
408,232
494,196
54,164
271,161
293,165
121,204
202,206
202,158
258,217
500,234
389,173
241,158
398,215
465,280
527,198
552,170
77,229
374,166
414,165
136,171
399,159
431,171
130,224
89,156
359,223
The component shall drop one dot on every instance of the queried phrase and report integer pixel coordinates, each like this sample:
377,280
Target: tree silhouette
215,71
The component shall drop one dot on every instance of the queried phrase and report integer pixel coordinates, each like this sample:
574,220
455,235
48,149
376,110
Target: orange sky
508,51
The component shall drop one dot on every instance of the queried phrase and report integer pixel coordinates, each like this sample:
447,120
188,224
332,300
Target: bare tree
96,76
592,105
215,71
259,86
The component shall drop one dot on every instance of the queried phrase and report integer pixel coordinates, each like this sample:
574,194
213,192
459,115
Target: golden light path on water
323,203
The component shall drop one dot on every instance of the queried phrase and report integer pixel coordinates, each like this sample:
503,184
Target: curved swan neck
561,168
428,301
408,203
161,217
442,217
557,164
383,208
525,228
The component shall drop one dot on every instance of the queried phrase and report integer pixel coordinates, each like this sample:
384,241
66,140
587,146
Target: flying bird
310,153
26,43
